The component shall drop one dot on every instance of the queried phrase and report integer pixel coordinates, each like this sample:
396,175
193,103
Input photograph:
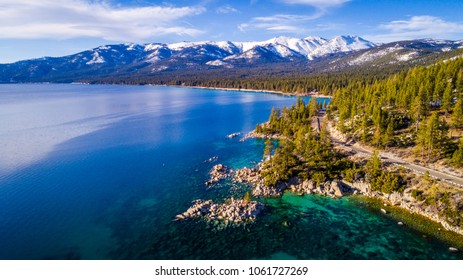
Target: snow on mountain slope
225,45
282,50
407,56
373,55
312,47
303,46
265,53
96,58
342,44
153,47
250,54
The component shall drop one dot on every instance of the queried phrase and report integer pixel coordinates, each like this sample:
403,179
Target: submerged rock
212,159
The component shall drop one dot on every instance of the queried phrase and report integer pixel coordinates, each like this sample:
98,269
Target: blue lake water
99,172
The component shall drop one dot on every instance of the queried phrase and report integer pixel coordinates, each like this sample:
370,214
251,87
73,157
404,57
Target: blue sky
33,28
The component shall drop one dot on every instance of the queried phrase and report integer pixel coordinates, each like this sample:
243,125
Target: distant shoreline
307,94
304,94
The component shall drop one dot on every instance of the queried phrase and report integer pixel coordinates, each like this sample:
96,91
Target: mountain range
280,54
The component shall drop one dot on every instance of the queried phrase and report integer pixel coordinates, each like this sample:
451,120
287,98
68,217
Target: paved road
387,157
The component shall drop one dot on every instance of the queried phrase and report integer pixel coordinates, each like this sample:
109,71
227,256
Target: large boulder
336,187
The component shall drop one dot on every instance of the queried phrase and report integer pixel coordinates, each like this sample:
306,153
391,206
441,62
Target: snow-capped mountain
152,58
310,54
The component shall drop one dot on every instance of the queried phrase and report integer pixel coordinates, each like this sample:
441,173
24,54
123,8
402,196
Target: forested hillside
420,108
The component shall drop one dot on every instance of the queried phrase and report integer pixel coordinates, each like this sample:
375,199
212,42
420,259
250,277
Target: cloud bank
417,27
65,19
316,3
291,23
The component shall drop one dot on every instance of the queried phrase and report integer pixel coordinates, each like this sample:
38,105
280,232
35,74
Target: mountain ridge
307,55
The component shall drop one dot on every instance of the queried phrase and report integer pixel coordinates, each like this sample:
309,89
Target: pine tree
313,108
274,115
417,111
247,197
435,135
364,128
457,118
377,137
389,133
421,139
318,178
459,82
268,148
300,106
324,134
373,166
447,99
457,157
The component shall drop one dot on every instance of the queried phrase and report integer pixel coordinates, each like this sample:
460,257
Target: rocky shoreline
315,94
405,201
254,134
235,213
337,189
251,176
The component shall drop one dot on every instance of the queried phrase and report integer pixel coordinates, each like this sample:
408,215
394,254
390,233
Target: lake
100,171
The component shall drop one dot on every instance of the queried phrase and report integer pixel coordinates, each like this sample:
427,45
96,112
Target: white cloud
297,24
64,19
418,27
316,3
227,9
284,23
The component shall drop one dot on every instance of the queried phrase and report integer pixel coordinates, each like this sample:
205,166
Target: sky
38,28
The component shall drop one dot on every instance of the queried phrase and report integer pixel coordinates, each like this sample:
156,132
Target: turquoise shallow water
99,172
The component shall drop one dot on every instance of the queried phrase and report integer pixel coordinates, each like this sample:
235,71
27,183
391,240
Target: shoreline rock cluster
232,213
254,134
333,189
218,172
239,212
251,176
233,135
